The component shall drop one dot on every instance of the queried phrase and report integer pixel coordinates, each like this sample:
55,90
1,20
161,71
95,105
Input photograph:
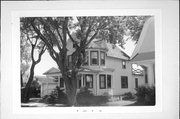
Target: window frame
86,57
123,64
69,60
100,81
108,81
126,81
61,85
91,62
86,80
136,82
101,52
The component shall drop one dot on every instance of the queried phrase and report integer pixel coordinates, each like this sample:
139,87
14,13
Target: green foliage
86,98
146,95
56,97
128,96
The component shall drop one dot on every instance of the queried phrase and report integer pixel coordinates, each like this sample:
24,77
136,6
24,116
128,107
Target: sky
45,64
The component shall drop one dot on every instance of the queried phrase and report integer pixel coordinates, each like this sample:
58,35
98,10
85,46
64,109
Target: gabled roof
52,70
116,52
145,48
113,50
98,44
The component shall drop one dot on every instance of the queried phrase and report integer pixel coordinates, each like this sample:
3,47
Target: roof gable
116,52
146,40
52,70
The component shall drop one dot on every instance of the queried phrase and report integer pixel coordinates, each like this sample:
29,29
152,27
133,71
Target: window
124,64
86,58
102,58
79,84
136,82
55,78
94,58
69,60
61,82
124,82
102,81
89,80
146,78
108,81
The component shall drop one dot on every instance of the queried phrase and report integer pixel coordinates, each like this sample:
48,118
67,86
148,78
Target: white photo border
16,15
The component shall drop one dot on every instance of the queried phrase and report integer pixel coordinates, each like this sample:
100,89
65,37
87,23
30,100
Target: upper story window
94,58
102,58
69,60
124,64
86,62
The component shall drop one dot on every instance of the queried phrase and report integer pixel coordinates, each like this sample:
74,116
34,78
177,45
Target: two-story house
107,69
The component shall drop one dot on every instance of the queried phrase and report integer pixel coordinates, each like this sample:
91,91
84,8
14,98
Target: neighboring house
108,70
144,52
50,81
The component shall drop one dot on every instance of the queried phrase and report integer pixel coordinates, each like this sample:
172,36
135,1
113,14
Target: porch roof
89,70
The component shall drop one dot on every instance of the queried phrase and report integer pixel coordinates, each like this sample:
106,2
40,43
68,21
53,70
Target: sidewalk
119,103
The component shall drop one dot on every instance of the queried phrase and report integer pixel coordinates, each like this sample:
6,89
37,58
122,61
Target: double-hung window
86,62
102,81
94,58
102,58
108,81
124,82
89,80
70,60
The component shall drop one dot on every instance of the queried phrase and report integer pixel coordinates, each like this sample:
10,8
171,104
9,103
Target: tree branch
75,42
41,53
92,38
42,37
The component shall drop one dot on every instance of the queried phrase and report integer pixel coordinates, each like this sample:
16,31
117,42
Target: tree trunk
26,92
21,80
71,88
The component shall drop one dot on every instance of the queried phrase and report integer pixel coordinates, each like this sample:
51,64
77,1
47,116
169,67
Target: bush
86,98
128,96
146,95
57,96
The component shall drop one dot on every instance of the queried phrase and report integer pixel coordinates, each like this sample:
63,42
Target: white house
109,70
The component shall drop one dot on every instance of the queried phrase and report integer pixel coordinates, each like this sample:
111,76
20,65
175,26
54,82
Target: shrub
86,98
146,95
128,96
57,96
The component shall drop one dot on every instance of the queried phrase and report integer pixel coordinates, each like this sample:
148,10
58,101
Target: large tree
56,32
31,46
